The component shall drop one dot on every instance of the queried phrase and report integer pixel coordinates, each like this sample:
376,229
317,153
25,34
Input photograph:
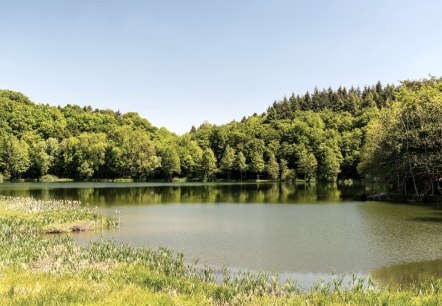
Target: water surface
305,231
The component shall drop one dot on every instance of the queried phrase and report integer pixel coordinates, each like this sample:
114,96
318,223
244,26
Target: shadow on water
108,194
427,219
407,274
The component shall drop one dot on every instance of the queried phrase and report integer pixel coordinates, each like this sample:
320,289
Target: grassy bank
38,266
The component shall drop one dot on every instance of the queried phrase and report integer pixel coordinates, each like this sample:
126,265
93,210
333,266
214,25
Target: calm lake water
303,231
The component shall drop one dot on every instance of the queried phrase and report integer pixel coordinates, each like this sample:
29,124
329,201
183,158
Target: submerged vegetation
41,268
389,132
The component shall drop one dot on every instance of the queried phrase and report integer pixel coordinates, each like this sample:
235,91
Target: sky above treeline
179,63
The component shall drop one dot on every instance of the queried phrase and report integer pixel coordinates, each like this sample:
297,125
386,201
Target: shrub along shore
38,265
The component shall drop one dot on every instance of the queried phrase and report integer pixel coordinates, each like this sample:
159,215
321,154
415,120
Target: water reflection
407,274
105,194
400,233
330,232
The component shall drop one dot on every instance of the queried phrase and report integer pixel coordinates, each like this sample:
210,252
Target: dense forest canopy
404,143
390,132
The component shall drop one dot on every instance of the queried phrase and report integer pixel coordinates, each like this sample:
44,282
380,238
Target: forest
392,133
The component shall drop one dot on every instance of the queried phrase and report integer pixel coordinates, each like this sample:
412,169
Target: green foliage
318,135
256,164
40,160
307,164
52,178
15,96
16,157
404,143
83,155
240,163
272,168
208,164
329,164
286,173
227,162
170,162
190,155
132,153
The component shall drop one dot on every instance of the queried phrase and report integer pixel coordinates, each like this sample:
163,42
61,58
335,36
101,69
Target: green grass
48,178
37,268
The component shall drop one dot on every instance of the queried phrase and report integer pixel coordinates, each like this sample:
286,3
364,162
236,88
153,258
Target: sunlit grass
54,216
39,268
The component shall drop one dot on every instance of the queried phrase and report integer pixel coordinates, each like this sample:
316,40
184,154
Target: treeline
353,101
319,135
314,136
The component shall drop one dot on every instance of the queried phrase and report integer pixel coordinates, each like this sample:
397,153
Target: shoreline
408,199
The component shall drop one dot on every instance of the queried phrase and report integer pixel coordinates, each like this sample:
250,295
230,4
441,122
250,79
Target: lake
303,231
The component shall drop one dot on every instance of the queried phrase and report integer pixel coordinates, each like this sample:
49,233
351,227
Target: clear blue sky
179,63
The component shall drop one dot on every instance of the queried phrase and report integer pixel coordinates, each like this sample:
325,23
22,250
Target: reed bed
52,216
28,204
39,268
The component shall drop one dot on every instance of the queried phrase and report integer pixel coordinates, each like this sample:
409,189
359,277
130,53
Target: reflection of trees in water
358,190
210,193
407,274
398,239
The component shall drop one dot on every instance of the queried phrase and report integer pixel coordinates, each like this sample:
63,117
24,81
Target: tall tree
170,162
257,164
240,163
307,164
227,162
208,164
16,157
272,167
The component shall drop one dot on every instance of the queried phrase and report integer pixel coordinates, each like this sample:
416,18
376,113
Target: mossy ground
37,268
